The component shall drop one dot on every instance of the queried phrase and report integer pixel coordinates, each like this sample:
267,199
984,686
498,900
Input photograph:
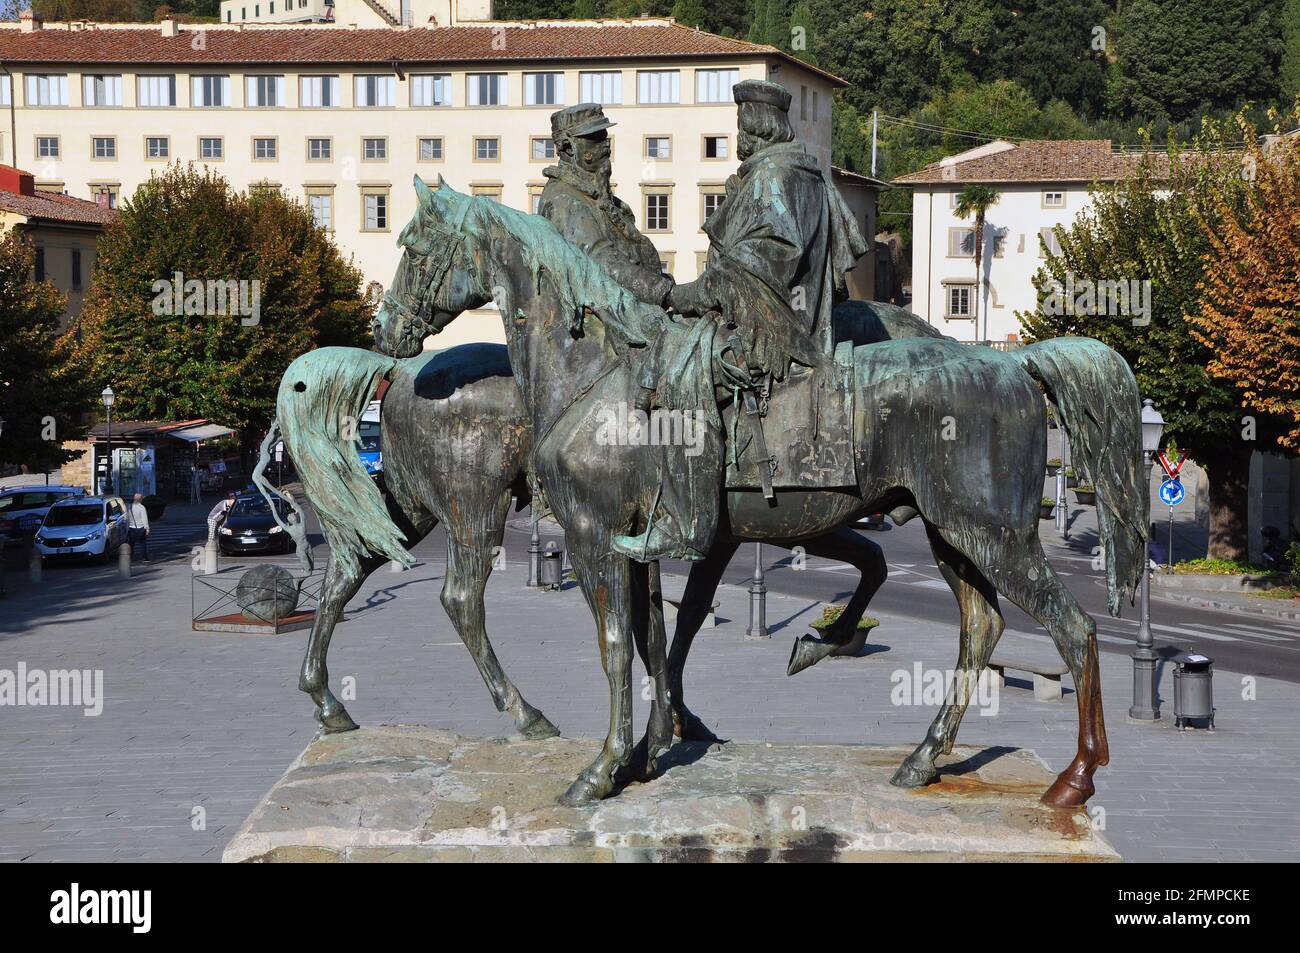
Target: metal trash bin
550,571
1193,689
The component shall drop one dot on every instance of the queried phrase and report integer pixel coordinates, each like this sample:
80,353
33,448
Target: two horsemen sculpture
847,410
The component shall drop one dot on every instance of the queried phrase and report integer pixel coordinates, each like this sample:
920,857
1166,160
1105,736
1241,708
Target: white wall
1009,279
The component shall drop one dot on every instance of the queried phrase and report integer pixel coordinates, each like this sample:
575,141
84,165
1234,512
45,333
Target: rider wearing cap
578,200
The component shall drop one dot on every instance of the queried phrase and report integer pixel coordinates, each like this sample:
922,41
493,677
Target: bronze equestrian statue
577,342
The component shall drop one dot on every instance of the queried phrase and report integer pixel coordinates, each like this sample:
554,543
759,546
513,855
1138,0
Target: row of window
373,149
378,90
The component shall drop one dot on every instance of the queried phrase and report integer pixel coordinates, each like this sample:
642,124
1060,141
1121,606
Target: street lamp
1144,658
106,395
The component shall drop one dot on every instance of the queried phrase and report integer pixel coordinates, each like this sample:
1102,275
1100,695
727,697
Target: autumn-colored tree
1146,228
1249,315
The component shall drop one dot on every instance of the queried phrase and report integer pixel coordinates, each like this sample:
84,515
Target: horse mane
579,281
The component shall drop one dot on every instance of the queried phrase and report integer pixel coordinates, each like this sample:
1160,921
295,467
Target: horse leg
341,584
842,637
468,568
697,602
651,645
1024,576
606,582
981,627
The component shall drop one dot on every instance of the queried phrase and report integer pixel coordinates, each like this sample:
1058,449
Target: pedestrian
137,522
1156,551
218,514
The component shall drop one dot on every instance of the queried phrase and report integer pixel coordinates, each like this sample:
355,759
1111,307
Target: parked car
23,507
369,436
250,527
93,526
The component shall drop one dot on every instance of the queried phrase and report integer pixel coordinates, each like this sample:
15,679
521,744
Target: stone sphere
267,593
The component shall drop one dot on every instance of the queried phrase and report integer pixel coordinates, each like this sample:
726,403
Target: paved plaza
196,727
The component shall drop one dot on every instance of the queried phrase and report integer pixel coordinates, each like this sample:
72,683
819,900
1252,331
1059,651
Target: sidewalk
196,727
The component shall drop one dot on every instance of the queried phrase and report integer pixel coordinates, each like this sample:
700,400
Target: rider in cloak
778,250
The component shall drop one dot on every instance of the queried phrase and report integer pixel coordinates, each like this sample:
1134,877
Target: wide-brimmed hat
584,119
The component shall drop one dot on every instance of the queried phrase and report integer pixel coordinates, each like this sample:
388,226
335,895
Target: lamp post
106,395
1144,706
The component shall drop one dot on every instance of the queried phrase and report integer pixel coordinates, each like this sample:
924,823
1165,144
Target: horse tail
318,411
1097,397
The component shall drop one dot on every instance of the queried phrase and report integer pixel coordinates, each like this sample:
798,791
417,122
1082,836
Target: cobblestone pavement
197,726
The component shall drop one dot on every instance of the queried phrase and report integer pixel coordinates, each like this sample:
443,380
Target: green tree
975,201
1289,70
201,360
1148,227
1178,60
1052,48
42,399
690,12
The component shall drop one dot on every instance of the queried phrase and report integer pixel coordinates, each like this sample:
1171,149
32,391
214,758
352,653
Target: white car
92,526
23,507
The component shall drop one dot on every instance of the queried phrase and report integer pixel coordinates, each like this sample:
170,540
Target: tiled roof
1037,160
493,41
56,208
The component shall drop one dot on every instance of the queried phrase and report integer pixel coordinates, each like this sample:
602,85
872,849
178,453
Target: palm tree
976,200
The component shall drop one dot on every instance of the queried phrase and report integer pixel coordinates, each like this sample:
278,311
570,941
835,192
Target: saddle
807,422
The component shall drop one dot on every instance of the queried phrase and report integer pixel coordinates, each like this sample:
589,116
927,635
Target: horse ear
442,183
422,192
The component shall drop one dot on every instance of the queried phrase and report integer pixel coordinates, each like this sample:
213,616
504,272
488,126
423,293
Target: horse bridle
431,269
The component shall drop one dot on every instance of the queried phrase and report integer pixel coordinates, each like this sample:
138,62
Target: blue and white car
22,508
371,452
94,526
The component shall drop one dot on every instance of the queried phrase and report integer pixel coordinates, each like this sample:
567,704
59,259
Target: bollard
34,564
210,558
757,599
124,561
534,554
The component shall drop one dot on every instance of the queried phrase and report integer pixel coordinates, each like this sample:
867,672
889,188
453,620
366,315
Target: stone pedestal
419,794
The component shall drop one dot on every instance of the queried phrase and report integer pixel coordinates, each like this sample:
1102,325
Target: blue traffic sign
1172,492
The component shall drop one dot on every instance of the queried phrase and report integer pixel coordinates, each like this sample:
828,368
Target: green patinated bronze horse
575,338
457,441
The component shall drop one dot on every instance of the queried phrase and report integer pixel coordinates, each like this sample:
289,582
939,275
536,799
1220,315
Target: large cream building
343,117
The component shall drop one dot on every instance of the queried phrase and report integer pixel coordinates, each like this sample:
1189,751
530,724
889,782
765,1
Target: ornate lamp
1144,706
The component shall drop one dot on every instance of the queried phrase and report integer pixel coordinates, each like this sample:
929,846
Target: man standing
778,250
137,523
578,201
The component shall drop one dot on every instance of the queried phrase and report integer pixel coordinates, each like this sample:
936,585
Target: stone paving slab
404,793
196,728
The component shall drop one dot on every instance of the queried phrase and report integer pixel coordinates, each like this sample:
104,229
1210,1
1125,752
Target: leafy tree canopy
295,292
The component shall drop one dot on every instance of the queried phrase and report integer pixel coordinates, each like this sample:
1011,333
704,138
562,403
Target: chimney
28,21
16,181
168,27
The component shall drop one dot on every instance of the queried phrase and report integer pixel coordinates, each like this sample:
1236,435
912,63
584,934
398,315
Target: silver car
92,526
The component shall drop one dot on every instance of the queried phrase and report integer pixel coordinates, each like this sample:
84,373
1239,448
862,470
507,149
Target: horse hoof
536,726
582,791
337,720
1066,791
688,727
909,775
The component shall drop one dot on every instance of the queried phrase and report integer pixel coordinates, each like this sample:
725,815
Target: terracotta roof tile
500,42
1036,160
56,207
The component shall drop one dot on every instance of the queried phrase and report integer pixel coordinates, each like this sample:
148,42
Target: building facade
64,233
1040,185
343,118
